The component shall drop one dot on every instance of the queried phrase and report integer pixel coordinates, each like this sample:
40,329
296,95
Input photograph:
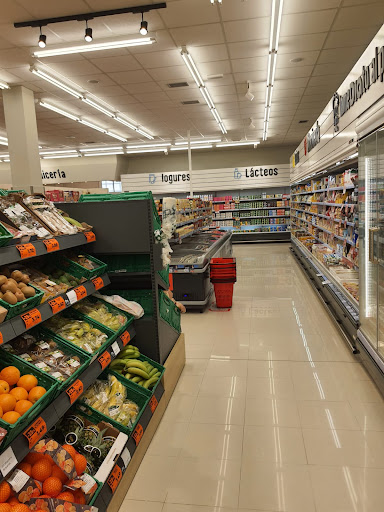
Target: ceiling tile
248,49
247,30
141,87
240,10
75,68
152,96
208,53
160,59
299,72
307,23
185,13
345,38
360,16
251,64
121,63
327,80
298,6
333,68
296,44
110,91
130,77
198,35
308,59
219,67
171,73
350,53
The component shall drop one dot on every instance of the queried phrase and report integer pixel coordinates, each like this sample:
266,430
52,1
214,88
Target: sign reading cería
369,75
46,175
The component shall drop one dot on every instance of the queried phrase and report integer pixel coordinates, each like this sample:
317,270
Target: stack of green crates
133,263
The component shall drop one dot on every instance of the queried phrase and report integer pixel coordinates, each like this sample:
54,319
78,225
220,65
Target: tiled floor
272,412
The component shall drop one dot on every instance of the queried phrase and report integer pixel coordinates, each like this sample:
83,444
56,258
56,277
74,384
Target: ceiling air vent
178,84
303,121
190,102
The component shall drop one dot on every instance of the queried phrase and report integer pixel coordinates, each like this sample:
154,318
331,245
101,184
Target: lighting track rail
91,15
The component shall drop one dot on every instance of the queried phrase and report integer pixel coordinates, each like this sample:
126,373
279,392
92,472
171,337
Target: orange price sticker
57,304
52,245
75,390
138,433
31,318
114,478
26,250
35,432
98,283
104,359
125,338
153,403
1,338
90,236
81,292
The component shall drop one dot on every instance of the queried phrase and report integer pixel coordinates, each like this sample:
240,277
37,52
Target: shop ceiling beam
91,15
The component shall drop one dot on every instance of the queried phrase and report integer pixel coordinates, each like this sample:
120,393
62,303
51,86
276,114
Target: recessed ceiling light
303,121
298,59
93,81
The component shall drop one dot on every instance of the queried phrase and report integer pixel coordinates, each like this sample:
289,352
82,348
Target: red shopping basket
223,294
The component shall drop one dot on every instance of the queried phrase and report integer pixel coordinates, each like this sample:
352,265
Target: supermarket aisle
272,413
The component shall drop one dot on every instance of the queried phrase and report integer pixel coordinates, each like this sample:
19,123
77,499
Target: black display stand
127,228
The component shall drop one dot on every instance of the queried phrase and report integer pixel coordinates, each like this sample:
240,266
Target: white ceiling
232,39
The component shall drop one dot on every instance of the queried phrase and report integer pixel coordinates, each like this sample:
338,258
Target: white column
23,144
190,164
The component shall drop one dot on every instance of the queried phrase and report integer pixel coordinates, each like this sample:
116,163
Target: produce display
14,286
21,218
82,260
110,398
129,366
80,333
98,311
48,213
18,393
45,354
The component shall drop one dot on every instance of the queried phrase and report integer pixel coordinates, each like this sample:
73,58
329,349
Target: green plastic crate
23,306
142,297
5,236
4,192
148,392
49,383
111,308
68,349
133,263
74,315
78,270
136,395
169,311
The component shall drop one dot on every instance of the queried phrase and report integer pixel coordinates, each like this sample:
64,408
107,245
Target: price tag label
7,461
114,478
104,359
125,338
1,338
57,305
90,236
26,250
126,456
115,348
71,296
35,432
138,434
52,245
31,318
75,390
98,283
153,403
81,292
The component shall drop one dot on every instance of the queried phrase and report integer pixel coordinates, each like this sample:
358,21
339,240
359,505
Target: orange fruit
27,468
79,497
22,406
80,463
1,412
49,459
20,507
10,374
52,486
13,501
7,402
36,393
5,507
33,457
4,387
19,393
5,491
66,496
41,470
11,417
70,449
27,382
59,473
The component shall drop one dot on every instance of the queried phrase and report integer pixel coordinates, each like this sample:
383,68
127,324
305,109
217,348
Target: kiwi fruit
3,280
17,275
28,291
19,296
25,279
9,286
10,297
21,285
13,280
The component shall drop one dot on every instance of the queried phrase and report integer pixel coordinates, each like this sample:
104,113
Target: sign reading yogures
369,75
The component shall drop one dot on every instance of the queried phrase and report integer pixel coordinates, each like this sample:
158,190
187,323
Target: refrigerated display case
371,204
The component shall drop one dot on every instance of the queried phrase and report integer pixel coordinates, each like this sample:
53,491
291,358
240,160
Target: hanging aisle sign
257,176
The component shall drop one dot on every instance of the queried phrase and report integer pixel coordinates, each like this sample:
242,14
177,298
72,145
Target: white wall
67,170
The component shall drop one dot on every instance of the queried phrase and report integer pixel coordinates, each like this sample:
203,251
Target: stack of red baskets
223,276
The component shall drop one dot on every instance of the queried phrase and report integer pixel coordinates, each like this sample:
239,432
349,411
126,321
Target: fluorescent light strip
59,111
59,156
145,134
231,144
94,150
208,141
143,146
2,143
208,146
58,151
146,151
3,140
105,154
125,123
4,85
94,47
105,111
189,62
58,83
115,136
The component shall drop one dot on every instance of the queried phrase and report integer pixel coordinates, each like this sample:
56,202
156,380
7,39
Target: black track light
143,26
88,33
42,40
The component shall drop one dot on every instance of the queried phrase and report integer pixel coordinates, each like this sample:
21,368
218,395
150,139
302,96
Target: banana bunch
140,372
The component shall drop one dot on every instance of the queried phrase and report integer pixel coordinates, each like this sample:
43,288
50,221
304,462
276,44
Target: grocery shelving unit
324,234
204,216
127,228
